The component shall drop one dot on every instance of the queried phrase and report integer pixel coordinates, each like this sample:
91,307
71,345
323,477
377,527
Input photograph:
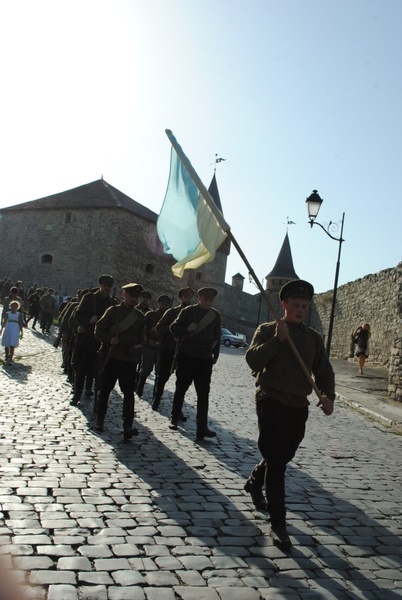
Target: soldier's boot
140,386
128,417
79,381
255,484
156,402
99,425
202,420
277,510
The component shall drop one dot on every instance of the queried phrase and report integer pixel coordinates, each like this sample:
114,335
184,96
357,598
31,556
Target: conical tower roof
284,263
213,190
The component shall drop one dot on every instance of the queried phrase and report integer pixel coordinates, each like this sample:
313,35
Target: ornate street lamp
313,206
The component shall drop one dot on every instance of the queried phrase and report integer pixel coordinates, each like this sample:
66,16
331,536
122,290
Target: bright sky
296,95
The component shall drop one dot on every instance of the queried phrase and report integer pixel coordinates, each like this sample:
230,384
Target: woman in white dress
11,327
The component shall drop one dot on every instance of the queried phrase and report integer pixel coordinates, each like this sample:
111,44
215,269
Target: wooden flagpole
226,228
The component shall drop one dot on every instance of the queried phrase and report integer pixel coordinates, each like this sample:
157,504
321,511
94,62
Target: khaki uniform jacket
134,336
93,304
206,343
163,327
278,372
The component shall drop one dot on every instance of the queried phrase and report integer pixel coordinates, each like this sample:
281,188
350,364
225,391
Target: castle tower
283,270
213,273
238,281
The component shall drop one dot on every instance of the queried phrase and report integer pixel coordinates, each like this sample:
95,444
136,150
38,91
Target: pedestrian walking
12,330
198,331
281,397
362,335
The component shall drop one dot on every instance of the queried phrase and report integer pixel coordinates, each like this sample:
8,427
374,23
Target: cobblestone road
162,518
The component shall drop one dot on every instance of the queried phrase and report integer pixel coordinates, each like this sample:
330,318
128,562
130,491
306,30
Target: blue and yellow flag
187,227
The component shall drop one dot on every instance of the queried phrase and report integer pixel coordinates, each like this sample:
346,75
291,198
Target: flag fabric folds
186,226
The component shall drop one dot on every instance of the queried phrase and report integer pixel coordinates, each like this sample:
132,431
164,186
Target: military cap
184,290
208,292
134,289
164,298
297,288
106,279
146,294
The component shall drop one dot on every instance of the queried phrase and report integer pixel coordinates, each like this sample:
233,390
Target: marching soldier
90,309
281,397
198,328
122,328
152,341
167,345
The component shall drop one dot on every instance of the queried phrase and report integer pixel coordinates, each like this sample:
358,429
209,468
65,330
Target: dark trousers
281,430
199,371
35,314
164,365
46,320
125,373
84,370
148,361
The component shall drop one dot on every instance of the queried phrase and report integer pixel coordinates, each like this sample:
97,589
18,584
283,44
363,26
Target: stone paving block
111,564
68,539
218,582
53,550
161,578
191,550
169,563
62,592
90,522
196,563
74,563
171,542
191,578
126,593
128,577
159,594
156,550
34,563
58,523
34,540
196,593
229,593
98,540
51,577
17,549
95,592
30,492
95,578
126,550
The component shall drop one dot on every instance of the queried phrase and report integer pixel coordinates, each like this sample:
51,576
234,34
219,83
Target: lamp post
313,206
